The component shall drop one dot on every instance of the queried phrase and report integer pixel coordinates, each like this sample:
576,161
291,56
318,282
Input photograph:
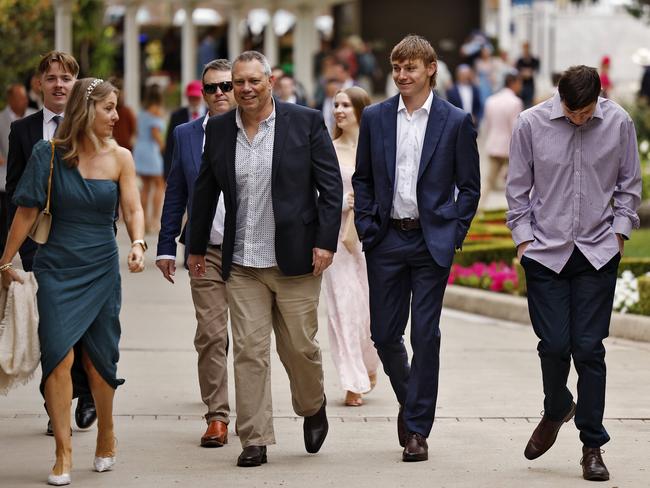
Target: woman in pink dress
346,282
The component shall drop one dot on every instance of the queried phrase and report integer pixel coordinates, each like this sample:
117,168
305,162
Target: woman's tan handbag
40,231
350,238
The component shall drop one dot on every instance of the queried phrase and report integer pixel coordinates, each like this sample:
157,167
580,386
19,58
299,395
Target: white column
132,56
505,18
271,41
63,25
188,48
304,47
234,36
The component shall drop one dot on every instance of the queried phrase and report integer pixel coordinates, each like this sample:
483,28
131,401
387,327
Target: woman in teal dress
77,269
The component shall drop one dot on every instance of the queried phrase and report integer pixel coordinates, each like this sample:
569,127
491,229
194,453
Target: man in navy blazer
415,152
208,291
465,95
282,188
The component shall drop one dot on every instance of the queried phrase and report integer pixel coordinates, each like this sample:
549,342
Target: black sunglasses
211,88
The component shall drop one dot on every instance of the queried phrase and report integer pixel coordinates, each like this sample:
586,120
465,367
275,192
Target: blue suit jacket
449,160
453,97
186,161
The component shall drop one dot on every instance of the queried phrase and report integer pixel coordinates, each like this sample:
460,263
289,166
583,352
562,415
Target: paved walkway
489,403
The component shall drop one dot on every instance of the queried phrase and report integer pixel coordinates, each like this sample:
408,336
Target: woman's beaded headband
92,86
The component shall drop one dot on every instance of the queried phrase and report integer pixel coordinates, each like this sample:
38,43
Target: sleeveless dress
146,152
77,269
348,312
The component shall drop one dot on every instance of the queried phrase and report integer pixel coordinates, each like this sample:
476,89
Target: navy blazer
453,97
23,136
186,161
449,160
306,188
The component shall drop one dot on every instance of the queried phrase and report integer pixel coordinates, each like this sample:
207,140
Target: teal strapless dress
77,270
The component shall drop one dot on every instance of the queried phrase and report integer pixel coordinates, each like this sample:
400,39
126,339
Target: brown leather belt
405,224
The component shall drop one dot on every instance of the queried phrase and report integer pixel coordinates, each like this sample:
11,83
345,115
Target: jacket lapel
436,123
389,133
196,143
231,137
36,128
282,119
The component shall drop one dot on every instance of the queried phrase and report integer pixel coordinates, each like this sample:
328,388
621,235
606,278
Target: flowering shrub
495,276
626,296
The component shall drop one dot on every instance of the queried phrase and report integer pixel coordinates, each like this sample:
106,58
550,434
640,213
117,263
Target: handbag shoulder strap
49,180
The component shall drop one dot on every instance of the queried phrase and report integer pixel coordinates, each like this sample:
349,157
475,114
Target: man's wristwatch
140,242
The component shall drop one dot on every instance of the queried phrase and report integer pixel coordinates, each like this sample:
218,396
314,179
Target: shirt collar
267,121
48,115
205,120
558,112
426,105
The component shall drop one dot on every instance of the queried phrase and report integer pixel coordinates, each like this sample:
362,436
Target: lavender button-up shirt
573,185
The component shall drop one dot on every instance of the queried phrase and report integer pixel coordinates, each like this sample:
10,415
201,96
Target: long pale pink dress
346,288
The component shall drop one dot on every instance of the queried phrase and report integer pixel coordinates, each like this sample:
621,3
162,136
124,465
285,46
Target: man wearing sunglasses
208,291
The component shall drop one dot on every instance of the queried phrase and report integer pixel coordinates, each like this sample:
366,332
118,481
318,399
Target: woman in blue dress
77,269
147,153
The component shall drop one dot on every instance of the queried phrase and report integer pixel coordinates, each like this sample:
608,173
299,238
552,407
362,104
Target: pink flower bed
494,276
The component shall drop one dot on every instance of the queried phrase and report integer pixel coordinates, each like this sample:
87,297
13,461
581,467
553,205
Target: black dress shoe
593,467
315,429
416,448
401,427
252,456
545,434
85,414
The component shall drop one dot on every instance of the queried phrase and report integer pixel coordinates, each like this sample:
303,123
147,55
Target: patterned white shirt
255,231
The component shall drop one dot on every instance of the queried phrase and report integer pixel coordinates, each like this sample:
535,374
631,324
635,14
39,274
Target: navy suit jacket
453,97
306,188
449,160
186,161
23,136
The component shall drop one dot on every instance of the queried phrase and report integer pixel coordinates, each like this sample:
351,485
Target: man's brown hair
67,62
414,47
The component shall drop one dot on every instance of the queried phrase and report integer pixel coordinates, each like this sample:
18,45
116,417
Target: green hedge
638,266
644,295
485,252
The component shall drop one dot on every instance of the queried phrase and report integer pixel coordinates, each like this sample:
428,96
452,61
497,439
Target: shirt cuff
165,256
622,225
522,233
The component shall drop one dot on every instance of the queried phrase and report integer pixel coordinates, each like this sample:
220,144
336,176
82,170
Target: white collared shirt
216,232
466,94
410,139
49,126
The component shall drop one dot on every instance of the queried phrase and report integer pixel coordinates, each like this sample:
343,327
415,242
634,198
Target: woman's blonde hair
360,100
80,117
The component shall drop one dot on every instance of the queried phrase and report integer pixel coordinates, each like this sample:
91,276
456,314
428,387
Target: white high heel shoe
101,464
58,479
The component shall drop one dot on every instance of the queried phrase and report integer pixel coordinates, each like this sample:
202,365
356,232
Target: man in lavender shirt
573,188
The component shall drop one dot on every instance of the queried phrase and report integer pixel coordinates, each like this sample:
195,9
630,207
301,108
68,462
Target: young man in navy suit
208,291
58,71
415,153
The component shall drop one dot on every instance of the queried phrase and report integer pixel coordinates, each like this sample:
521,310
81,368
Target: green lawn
639,244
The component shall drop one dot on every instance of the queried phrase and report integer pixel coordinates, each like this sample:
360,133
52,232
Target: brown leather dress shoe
252,456
545,434
416,448
401,427
593,467
216,435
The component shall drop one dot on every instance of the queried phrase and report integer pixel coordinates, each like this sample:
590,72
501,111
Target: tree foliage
26,32
639,9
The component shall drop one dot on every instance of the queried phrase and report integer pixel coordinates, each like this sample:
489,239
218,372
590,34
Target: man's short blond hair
67,62
414,47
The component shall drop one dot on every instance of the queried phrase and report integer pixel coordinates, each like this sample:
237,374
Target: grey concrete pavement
489,402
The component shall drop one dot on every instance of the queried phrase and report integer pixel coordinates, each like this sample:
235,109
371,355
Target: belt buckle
405,224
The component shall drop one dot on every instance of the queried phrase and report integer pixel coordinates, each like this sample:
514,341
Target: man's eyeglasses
211,88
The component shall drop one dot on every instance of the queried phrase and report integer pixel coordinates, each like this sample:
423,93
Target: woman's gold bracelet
5,267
